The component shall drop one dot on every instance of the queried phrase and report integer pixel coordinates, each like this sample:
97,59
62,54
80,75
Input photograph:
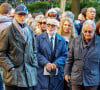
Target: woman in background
67,29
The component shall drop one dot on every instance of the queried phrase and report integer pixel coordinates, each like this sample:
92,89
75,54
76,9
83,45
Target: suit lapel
57,40
17,35
46,38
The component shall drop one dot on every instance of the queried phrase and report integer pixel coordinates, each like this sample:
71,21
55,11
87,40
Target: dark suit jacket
44,56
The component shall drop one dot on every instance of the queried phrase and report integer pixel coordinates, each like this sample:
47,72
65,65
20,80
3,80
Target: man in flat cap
18,53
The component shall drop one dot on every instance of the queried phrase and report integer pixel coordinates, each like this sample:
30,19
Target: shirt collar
51,36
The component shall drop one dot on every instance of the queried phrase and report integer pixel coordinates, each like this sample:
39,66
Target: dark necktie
52,44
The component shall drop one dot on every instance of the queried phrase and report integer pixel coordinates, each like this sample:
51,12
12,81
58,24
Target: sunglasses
42,22
52,25
52,15
88,32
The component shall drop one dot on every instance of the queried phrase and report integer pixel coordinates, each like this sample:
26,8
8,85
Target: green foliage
44,6
88,4
38,7
95,4
68,7
98,12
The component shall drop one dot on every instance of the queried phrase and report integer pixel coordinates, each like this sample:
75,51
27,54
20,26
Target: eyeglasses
52,15
88,32
52,25
44,23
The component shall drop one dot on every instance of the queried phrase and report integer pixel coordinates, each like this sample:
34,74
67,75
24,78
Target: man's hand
48,66
12,69
67,78
53,66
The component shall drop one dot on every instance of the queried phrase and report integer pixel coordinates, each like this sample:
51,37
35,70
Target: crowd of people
49,52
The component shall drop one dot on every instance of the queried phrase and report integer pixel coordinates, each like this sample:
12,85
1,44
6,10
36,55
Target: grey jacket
83,69
15,52
5,21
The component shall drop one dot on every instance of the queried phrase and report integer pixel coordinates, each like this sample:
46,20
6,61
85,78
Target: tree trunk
75,7
6,1
62,5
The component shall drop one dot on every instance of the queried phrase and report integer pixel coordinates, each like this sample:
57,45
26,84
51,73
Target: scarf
23,31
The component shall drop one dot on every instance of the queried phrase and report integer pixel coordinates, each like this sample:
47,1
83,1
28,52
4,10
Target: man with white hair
83,62
52,53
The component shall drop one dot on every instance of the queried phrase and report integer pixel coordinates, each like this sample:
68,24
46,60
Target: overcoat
84,69
44,56
15,52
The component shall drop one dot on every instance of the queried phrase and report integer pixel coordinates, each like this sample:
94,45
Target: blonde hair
44,18
72,33
53,20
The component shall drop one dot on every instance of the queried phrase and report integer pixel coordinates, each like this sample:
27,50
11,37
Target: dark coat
15,52
44,57
83,69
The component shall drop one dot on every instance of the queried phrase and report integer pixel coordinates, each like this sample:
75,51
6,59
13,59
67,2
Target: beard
51,33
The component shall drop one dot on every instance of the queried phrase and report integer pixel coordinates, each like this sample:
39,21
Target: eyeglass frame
51,25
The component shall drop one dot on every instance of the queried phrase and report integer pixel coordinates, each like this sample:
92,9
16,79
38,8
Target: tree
75,7
6,0
62,6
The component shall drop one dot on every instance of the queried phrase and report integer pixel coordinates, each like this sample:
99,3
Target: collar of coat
96,38
45,35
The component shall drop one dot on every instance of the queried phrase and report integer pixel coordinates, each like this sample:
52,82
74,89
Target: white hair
53,20
68,14
89,23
